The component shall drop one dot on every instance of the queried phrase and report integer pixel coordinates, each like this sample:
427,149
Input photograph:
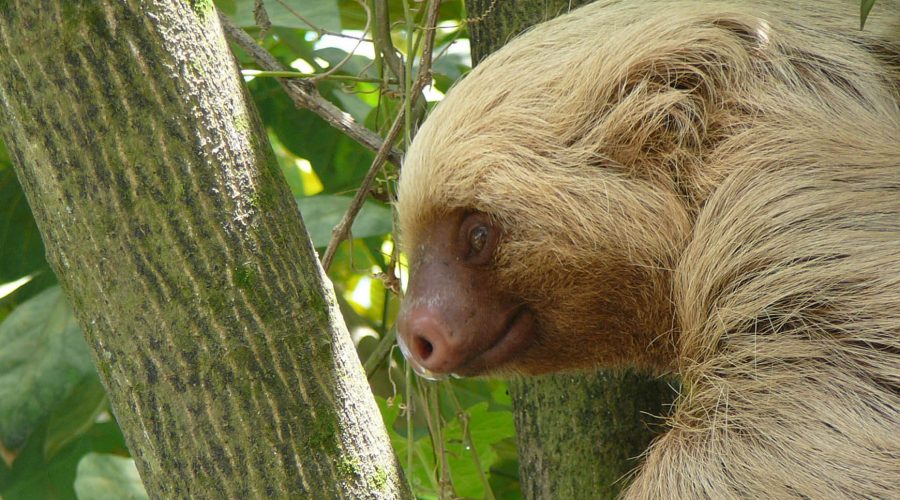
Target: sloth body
700,188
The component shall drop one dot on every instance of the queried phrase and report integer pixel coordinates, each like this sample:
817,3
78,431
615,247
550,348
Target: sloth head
546,201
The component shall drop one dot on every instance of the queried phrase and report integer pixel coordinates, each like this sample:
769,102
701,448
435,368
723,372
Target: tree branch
341,231
304,94
382,37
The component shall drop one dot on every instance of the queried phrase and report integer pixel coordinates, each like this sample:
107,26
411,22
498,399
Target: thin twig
381,352
340,232
297,74
334,69
468,442
318,29
305,95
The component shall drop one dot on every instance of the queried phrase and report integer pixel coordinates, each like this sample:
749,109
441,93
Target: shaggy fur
706,188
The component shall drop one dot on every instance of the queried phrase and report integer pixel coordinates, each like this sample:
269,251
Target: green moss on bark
167,221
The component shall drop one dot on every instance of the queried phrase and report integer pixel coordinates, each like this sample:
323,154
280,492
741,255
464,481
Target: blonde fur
709,188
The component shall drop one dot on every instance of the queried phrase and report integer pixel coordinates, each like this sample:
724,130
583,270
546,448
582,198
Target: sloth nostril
423,347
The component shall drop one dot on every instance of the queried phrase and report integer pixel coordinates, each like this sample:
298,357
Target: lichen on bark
178,243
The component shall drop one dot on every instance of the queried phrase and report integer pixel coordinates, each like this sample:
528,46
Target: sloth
698,188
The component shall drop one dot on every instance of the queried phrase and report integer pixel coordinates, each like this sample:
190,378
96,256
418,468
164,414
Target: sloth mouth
517,335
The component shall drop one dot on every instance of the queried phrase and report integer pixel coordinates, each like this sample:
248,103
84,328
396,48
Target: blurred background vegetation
58,438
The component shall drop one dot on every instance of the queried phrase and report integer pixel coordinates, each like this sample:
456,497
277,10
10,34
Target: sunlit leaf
108,477
12,286
43,357
21,248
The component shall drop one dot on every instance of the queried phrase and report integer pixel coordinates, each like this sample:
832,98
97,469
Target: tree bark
180,248
579,436
492,23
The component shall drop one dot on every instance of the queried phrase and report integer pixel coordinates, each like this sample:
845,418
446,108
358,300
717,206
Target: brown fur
708,188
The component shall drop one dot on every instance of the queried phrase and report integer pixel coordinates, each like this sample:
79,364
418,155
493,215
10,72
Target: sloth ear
668,97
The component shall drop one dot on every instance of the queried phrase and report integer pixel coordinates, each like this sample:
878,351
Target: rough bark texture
180,248
579,436
492,23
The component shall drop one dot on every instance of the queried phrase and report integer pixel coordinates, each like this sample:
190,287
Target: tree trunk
180,248
579,436
492,23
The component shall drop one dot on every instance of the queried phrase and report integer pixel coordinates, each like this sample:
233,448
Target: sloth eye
478,237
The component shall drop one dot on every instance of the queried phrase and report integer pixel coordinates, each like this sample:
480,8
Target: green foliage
321,213
108,477
865,6
471,425
35,475
323,14
21,248
57,435
75,414
43,358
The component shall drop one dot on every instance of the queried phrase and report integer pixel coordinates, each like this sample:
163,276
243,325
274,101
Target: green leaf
34,477
76,414
6,475
447,69
43,357
485,428
339,162
321,213
106,437
865,6
108,477
374,247
421,475
10,287
472,391
504,477
352,104
21,248
353,16
349,164
227,7
389,412
323,14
